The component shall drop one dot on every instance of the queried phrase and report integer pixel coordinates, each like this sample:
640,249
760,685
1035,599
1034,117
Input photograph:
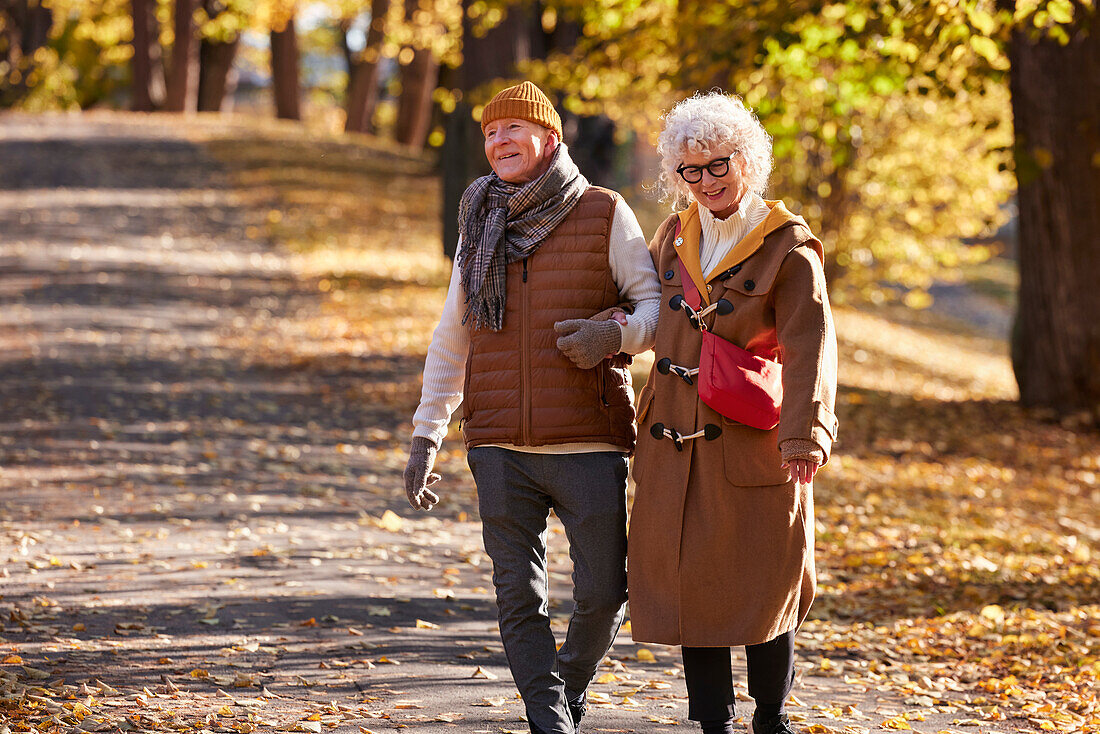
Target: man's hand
419,475
588,342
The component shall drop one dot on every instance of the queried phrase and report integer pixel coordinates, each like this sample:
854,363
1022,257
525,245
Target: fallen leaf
391,521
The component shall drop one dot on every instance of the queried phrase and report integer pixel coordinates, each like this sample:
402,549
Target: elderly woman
734,421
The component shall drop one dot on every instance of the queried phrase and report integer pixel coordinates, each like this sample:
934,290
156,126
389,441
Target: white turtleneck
721,235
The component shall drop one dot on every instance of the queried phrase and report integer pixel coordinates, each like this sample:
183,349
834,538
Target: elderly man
525,345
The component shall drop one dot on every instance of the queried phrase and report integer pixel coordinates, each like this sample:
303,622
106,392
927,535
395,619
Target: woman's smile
720,194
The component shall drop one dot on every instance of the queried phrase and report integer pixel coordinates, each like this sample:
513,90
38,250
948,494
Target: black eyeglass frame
682,169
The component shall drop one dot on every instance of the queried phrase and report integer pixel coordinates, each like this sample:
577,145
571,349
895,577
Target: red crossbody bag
740,385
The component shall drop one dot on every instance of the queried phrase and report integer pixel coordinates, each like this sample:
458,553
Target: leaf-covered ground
211,335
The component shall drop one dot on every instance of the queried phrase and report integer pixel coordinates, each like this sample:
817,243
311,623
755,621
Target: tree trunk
1056,341
460,127
35,26
414,111
215,65
180,88
24,28
142,15
216,76
363,73
284,73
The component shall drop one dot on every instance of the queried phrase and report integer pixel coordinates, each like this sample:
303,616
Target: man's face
518,150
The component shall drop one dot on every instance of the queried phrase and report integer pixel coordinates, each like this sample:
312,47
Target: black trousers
709,675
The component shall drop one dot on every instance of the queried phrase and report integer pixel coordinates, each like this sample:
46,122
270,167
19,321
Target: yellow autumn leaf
646,656
897,722
993,613
423,625
391,521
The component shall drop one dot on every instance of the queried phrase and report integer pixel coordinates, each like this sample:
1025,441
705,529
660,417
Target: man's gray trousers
587,491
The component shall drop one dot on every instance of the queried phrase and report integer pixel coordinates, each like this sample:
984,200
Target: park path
197,533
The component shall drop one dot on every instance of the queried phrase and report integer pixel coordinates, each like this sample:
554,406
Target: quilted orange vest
519,388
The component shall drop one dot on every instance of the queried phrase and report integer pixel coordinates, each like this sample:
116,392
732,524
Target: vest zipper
601,382
524,365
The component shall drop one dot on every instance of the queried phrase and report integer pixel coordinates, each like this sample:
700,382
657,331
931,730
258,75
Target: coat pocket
751,456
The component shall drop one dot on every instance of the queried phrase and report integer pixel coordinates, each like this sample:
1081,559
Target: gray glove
419,475
588,342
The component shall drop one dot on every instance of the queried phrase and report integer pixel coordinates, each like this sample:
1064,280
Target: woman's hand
802,470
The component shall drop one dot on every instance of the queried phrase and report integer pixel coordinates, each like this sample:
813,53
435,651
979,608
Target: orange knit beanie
526,102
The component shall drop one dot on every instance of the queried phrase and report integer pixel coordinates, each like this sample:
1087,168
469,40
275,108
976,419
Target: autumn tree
285,79
362,91
220,36
146,56
1055,83
24,28
180,86
419,74
890,170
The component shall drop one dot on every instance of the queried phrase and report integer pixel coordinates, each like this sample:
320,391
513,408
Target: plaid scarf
502,222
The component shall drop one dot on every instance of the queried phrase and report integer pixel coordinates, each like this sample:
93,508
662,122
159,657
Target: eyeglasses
718,168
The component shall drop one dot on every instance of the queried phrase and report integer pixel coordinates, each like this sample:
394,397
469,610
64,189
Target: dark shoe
578,708
771,725
717,727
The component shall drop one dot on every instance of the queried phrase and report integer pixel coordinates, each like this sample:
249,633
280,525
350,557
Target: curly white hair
708,122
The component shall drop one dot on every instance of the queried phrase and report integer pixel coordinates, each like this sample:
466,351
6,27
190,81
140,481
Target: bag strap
691,293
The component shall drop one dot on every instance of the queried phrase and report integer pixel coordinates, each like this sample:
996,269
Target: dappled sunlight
934,363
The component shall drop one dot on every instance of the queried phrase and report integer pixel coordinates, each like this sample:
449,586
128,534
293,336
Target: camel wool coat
721,544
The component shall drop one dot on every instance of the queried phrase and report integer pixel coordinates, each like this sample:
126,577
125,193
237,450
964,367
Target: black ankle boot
578,707
770,724
717,727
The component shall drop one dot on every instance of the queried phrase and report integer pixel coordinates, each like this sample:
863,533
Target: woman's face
518,150
721,194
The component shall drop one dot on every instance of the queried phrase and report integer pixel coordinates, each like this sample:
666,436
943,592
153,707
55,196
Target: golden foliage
890,131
